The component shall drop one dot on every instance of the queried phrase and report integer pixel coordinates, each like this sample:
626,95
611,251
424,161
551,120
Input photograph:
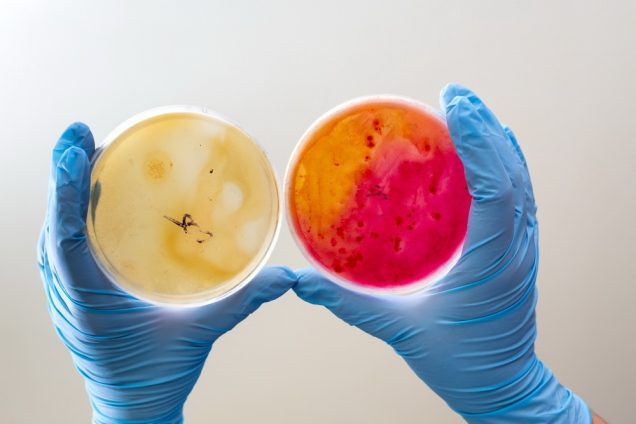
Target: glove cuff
548,402
170,418
147,408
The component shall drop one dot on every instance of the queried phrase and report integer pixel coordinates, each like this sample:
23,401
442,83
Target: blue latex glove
471,335
139,361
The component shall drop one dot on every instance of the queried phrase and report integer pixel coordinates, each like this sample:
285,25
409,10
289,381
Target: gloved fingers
473,138
67,217
531,207
77,134
66,244
498,137
509,160
491,220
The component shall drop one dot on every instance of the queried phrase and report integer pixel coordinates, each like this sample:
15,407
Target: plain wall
560,73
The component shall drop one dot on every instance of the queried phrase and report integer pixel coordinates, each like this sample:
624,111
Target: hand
471,335
140,361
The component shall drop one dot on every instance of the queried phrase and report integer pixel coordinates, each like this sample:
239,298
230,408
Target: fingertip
72,167
78,135
270,283
463,120
280,273
76,131
317,289
451,91
307,273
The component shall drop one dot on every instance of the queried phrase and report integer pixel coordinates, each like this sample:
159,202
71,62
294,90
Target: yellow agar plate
184,206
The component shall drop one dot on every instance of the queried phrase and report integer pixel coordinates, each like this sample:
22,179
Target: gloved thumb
269,284
354,308
380,316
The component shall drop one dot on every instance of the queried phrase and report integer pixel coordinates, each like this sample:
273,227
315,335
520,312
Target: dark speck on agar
397,244
353,259
376,126
337,266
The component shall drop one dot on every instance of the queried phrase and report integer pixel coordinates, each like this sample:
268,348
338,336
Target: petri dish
184,208
376,195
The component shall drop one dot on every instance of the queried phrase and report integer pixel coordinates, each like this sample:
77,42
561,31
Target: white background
560,73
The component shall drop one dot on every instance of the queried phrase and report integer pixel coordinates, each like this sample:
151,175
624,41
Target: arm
470,336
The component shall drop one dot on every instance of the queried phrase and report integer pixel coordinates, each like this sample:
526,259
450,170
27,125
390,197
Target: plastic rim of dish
341,110
204,113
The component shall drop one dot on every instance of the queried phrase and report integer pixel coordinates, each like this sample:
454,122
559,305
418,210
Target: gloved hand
471,335
139,361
